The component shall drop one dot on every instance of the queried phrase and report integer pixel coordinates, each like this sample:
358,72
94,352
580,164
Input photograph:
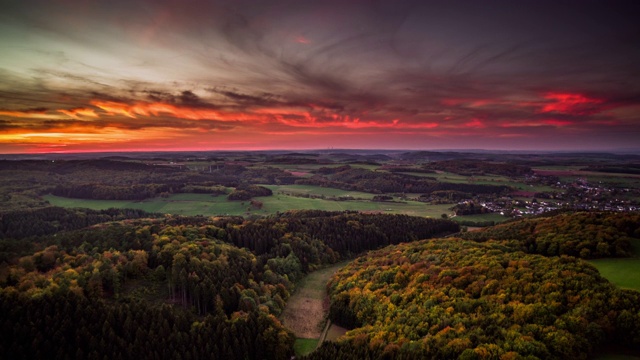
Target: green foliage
226,279
587,235
246,192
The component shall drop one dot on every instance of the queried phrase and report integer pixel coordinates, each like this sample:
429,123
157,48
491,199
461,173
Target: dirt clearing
306,309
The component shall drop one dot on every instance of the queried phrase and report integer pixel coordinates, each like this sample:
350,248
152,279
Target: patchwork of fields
203,204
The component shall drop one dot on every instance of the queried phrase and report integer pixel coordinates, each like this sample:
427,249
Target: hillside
173,287
583,234
451,298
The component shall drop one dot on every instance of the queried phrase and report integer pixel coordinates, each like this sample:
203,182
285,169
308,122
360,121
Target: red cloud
571,104
302,40
536,123
475,123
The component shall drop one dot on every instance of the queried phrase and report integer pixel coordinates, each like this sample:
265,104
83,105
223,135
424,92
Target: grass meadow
623,272
304,346
202,204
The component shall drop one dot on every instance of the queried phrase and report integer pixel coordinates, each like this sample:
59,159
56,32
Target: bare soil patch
306,309
335,332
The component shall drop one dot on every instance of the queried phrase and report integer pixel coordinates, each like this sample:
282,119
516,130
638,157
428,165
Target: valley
470,256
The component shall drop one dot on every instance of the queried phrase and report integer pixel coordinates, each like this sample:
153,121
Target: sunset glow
82,76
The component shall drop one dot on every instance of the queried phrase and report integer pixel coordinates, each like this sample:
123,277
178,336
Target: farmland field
497,218
496,180
180,204
623,272
200,204
318,191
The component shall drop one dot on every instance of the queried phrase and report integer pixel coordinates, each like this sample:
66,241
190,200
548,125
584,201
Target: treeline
384,182
50,220
316,235
225,278
112,192
468,167
584,234
450,298
23,182
469,208
618,169
246,192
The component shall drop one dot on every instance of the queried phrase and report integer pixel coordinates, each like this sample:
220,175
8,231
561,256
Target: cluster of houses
578,195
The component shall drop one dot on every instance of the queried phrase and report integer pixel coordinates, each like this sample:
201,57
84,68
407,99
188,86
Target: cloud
573,104
411,68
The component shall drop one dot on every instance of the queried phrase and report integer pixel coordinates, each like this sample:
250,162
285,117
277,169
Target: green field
201,204
317,191
304,346
180,204
623,272
496,180
497,218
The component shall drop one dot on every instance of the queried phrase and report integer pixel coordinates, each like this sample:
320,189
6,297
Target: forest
359,179
583,234
451,298
171,282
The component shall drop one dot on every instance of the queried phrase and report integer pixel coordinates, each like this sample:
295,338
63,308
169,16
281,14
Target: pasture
202,204
623,272
311,190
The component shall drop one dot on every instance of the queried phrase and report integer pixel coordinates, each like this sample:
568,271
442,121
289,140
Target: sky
185,75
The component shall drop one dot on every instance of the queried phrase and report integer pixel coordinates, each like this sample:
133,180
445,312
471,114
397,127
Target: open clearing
306,309
312,190
305,312
304,346
203,204
335,332
623,272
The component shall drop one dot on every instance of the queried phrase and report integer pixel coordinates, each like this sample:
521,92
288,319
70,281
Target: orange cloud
79,113
34,114
157,108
